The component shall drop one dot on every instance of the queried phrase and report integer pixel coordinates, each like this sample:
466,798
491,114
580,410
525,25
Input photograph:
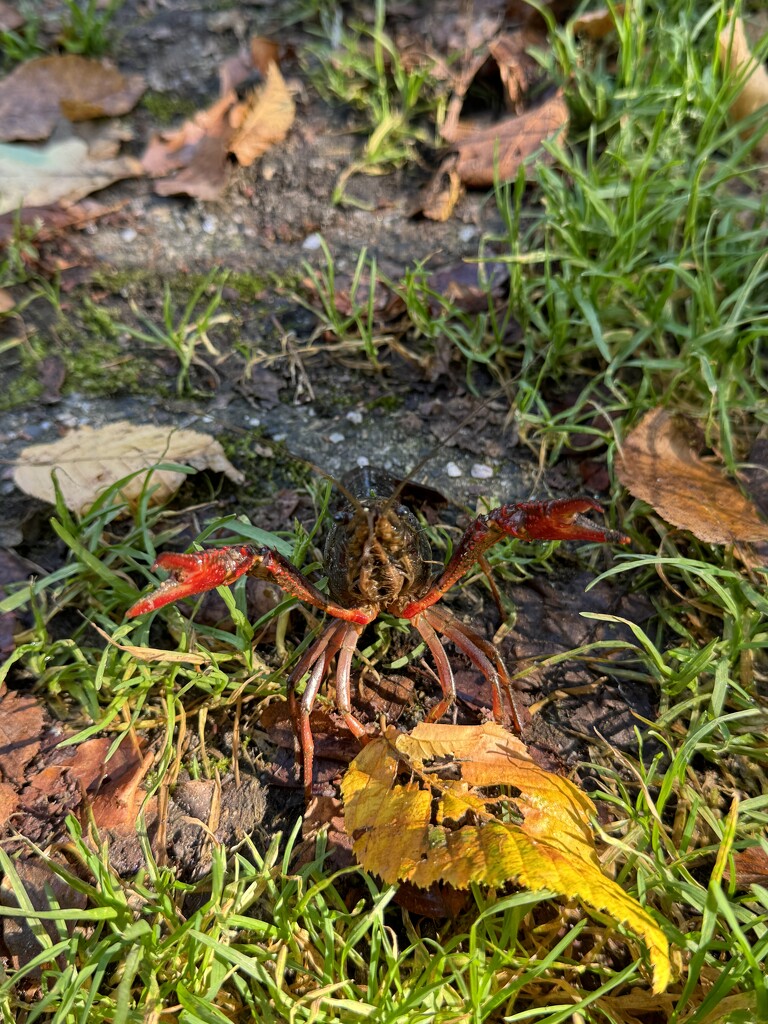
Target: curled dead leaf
90,460
658,464
422,822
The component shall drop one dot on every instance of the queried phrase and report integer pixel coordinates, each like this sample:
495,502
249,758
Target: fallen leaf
750,867
90,460
48,221
36,94
743,68
263,120
7,301
59,171
198,151
597,24
116,806
658,464
21,727
486,154
518,70
426,823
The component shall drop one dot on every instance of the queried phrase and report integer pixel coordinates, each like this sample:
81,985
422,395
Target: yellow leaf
426,829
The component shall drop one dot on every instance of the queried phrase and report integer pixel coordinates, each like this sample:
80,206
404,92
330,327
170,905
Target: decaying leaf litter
489,166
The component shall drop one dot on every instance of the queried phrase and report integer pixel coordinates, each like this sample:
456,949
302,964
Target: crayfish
377,558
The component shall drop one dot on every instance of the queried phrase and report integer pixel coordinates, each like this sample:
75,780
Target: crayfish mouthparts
377,558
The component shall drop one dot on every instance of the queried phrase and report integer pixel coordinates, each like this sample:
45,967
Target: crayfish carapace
377,558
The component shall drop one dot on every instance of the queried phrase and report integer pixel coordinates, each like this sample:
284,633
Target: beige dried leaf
263,120
742,67
90,460
658,464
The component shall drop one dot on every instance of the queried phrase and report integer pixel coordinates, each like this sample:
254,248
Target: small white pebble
312,242
279,437
362,461
467,233
268,171
481,472
355,417
253,421
452,469
129,235
209,225
336,438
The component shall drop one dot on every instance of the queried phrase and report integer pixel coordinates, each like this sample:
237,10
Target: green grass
638,273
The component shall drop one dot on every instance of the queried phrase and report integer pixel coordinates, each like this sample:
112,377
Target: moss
389,403
166,107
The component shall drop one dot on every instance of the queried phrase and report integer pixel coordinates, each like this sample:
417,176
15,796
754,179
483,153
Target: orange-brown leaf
658,464
504,148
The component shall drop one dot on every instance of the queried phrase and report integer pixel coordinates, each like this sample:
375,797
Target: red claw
561,519
195,573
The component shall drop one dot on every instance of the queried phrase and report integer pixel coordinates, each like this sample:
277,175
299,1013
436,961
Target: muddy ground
264,394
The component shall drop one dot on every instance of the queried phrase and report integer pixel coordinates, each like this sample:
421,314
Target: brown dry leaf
7,301
89,460
741,66
518,70
198,150
21,726
35,96
500,151
750,866
410,823
597,24
658,464
48,221
116,806
152,654
263,119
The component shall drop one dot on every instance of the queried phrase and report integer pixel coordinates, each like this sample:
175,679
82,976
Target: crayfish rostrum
377,558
